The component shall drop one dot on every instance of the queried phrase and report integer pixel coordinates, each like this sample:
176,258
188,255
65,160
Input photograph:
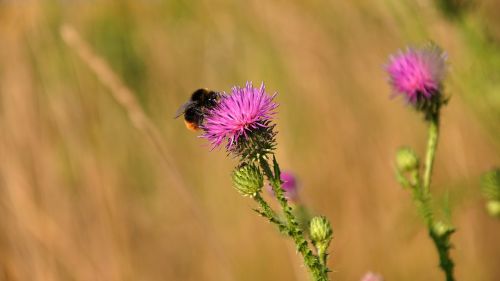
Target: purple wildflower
289,186
417,73
370,276
239,113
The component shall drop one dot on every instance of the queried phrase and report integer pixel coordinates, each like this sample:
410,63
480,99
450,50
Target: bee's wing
182,109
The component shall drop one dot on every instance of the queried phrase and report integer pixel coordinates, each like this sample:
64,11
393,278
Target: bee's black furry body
195,109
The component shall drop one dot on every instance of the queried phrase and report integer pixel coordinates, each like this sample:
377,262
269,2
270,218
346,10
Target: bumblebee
198,105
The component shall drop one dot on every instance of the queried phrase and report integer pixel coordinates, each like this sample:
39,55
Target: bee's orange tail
192,126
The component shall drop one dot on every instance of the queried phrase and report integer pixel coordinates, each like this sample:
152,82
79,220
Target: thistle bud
248,180
320,230
493,208
406,160
443,229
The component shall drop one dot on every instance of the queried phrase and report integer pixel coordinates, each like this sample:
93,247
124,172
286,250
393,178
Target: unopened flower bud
320,230
406,160
493,208
443,229
248,180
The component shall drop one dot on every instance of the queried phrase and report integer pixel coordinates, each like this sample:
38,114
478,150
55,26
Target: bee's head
212,98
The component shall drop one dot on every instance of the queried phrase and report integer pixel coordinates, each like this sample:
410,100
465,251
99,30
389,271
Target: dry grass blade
124,96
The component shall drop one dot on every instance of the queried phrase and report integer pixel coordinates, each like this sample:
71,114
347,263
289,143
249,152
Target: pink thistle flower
417,73
370,276
242,111
289,186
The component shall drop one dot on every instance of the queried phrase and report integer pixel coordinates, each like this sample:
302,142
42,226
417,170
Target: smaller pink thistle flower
417,73
238,114
370,276
289,186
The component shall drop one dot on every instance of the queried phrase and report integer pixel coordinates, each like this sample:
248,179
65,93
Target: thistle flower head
239,115
418,72
289,186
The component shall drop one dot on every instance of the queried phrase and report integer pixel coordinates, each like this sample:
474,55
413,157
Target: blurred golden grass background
85,196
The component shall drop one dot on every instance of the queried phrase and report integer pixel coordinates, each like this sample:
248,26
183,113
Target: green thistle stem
431,152
322,254
317,269
423,198
267,212
443,246
275,180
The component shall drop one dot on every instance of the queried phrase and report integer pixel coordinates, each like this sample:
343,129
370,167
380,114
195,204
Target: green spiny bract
248,179
490,185
431,107
257,144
